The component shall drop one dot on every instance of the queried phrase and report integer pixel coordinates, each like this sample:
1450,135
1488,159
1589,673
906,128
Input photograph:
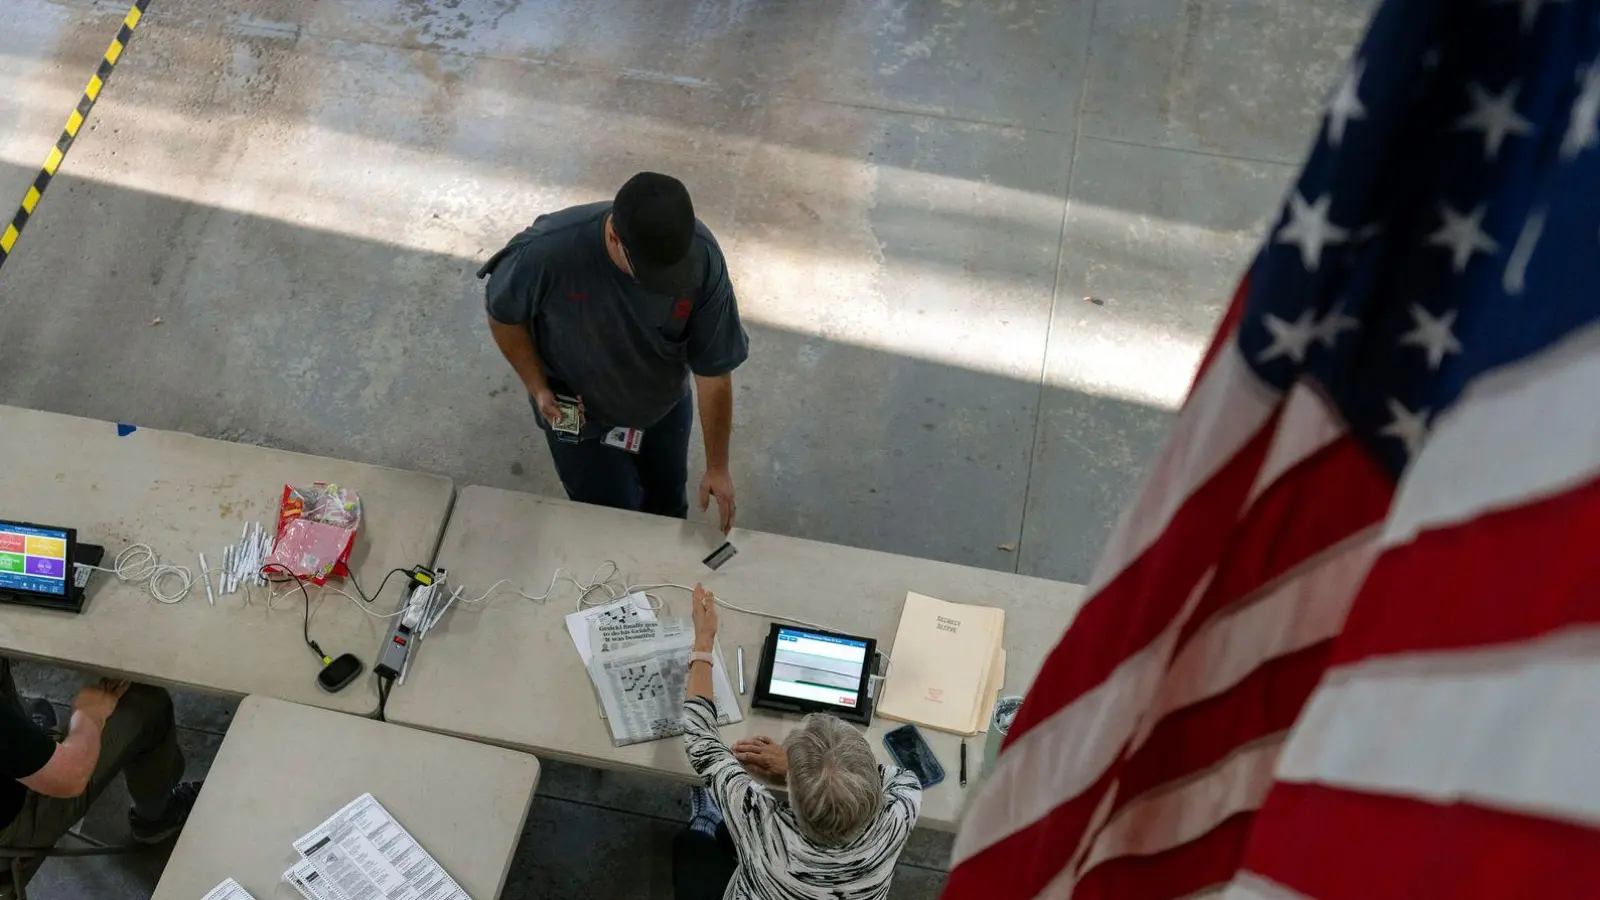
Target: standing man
604,311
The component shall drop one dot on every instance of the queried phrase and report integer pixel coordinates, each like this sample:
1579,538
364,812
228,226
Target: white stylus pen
206,574
741,668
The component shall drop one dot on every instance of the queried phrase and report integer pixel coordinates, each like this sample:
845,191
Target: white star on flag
1530,9
1309,229
1290,339
1463,234
1346,104
1584,131
1410,428
1495,115
1433,335
1335,322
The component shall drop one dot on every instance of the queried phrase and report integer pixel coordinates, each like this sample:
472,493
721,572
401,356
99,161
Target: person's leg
663,462
593,473
702,864
141,741
147,743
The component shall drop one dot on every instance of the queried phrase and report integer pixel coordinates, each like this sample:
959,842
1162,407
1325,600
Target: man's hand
545,400
763,758
99,701
718,483
705,619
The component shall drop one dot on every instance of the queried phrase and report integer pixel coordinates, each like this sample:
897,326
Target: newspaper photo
641,684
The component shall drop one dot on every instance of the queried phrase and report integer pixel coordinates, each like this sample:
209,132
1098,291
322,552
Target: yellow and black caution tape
30,200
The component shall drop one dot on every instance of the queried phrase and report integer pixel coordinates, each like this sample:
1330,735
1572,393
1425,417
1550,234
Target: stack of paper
947,665
639,665
228,890
361,852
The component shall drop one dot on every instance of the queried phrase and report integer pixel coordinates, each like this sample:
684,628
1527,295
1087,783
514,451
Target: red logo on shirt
577,297
680,310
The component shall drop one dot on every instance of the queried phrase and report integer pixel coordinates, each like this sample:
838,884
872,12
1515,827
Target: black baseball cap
654,220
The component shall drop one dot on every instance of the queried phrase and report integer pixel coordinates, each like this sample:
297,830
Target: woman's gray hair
834,785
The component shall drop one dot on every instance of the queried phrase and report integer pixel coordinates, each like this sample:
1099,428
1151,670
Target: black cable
384,686
306,629
385,583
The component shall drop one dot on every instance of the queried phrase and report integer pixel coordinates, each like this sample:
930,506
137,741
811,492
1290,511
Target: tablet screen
818,667
33,559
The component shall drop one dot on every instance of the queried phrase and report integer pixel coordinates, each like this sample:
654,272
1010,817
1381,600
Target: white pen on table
741,668
206,574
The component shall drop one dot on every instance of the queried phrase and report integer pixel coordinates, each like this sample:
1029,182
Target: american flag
1346,642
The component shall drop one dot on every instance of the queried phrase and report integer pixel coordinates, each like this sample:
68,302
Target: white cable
614,592
273,598
138,564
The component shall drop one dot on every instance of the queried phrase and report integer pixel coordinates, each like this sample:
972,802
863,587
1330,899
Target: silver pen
741,668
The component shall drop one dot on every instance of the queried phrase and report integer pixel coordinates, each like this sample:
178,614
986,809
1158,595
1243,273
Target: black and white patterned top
777,861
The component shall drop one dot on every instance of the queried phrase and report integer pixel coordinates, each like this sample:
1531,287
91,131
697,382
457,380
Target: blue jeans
652,480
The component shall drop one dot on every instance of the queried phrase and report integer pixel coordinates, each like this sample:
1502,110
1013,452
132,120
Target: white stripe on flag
1307,606
1515,728
1065,754
1223,413
1250,886
1061,757
1172,817
1520,433
1308,424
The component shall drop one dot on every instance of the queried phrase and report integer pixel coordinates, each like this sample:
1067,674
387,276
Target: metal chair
24,863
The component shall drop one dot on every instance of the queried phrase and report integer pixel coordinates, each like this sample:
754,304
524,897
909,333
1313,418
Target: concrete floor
916,198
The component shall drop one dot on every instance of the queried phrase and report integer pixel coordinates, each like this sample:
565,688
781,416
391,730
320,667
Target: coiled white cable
138,564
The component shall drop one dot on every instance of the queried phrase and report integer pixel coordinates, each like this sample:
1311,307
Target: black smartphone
911,752
337,675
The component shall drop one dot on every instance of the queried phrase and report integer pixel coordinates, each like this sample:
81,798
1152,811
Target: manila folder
941,663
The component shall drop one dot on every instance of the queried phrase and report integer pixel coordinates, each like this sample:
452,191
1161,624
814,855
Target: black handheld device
912,753
338,674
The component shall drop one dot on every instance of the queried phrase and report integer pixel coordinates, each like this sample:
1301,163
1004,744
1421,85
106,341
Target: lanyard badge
627,439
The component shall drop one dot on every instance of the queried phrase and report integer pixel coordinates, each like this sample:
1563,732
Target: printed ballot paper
949,665
228,890
362,853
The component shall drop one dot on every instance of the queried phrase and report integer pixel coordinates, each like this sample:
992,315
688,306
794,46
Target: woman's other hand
763,757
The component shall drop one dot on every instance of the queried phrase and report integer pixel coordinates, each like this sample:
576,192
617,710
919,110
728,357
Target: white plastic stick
206,574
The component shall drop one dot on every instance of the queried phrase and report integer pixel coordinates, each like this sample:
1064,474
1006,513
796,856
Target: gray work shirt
626,351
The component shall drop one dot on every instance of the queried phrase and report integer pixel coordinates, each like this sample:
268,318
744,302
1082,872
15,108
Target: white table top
184,495
284,768
515,662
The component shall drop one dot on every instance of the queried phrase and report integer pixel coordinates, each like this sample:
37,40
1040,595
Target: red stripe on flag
1195,866
1197,737
1227,329
1028,860
1502,577
1335,844
1140,602
1328,497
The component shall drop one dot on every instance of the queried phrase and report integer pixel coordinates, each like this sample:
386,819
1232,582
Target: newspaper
228,890
642,680
628,610
362,853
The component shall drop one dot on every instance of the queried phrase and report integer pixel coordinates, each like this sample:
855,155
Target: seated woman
838,836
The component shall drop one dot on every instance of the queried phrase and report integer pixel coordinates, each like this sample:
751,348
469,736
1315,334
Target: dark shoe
179,805
43,714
